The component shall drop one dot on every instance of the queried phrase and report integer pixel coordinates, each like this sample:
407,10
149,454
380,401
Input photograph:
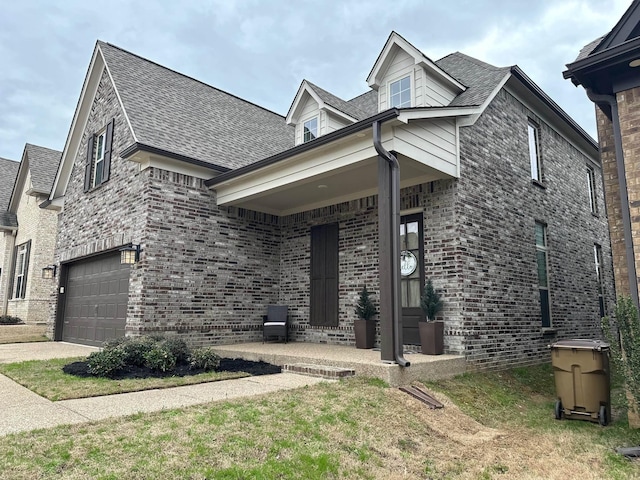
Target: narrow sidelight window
597,256
310,129
591,185
543,273
534,152
21,269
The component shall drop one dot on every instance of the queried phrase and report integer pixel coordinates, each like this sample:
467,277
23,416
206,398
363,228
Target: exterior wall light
130,254
49,271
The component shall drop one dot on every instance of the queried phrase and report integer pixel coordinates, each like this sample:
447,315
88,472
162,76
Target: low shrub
107,362
178,347
205,358
160,358
135,350
9,320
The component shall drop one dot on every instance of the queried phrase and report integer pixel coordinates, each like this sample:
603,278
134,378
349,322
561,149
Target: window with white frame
400,93
591,185
534,152
543,273
21,270
310,130
98,163
597,256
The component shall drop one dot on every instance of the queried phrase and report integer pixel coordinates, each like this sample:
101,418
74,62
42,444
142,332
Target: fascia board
18,185
339,113
406,116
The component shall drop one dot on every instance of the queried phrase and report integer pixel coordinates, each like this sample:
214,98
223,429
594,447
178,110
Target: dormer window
400,93
310,129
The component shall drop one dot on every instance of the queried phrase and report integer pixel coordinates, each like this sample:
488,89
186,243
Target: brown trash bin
582,377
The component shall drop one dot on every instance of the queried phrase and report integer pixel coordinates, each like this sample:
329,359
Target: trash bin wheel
602,416
558,410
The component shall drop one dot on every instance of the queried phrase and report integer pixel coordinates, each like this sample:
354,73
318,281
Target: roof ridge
100,42
9,160
475,61
43,148
358,96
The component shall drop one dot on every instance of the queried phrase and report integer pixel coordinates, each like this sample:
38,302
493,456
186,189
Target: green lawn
493,426
46,378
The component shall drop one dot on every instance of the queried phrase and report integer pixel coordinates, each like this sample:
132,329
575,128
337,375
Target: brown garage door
96,297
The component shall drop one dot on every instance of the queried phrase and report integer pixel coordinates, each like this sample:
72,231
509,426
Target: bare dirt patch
22,333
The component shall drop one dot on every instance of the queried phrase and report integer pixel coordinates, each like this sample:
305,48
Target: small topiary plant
430,301
9,320
106,363
365,309
204,358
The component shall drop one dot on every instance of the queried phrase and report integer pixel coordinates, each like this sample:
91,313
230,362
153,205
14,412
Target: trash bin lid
581,344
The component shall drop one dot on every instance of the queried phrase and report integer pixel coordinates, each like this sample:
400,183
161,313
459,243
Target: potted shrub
364,326
431,332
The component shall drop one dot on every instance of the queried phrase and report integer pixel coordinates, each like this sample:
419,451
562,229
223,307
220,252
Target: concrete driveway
20,352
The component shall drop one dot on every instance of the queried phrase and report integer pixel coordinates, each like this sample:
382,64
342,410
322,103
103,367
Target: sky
261,50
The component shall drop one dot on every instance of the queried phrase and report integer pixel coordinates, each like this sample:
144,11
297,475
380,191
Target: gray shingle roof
367,102
350,109
176,113
480,78
43,165
8,174
588,48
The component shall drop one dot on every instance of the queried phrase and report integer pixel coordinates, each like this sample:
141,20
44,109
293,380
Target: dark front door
97,292
411,276
324,275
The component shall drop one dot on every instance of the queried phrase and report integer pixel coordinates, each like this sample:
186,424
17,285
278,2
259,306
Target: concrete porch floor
363,362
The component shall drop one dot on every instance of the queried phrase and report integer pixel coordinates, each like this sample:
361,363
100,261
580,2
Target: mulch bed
80,369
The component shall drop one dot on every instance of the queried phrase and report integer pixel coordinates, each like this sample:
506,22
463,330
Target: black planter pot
431,337
365,331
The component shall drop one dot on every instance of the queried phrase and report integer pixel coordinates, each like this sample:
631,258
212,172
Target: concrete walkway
22,410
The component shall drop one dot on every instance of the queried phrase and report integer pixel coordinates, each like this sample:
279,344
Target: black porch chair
275,322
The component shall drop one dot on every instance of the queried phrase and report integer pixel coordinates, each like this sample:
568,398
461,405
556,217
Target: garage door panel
96,300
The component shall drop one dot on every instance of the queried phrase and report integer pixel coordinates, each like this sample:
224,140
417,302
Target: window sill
538,184
595,215
549,332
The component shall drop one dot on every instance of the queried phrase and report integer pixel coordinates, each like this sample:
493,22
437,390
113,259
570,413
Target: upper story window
310,130
98,160
400,93
591,185
98,165
534,152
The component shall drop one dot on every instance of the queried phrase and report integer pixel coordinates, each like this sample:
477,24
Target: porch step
322,371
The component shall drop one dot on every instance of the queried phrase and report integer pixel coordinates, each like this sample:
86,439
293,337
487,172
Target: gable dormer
404,77
316,112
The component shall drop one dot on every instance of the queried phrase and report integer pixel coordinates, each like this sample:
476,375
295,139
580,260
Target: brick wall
110,215
629,115
497,206
206,273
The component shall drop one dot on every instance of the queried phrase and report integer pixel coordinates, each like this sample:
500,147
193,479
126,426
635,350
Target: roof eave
539,93
304,147
136,147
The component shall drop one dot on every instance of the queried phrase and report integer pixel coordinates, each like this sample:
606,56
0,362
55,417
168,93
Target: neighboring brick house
29,235
608,70
235,207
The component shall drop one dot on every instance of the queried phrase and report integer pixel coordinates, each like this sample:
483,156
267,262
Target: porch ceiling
345,170
340,185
